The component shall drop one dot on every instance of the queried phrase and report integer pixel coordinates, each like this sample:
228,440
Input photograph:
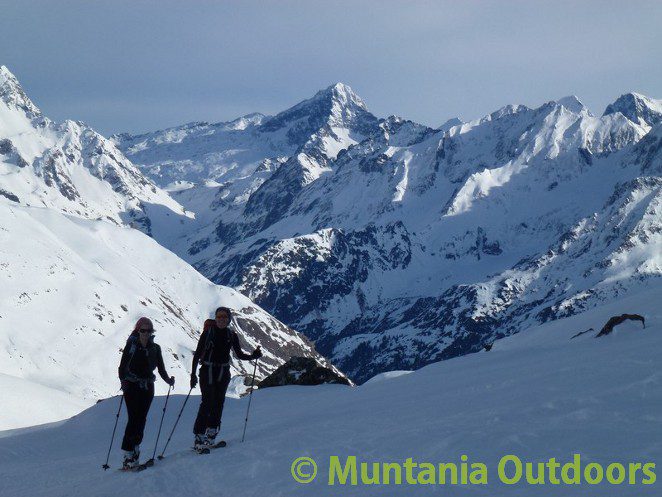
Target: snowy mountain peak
336,106
573,104
69,167
243,122
13,95
454,121
344,95
638,108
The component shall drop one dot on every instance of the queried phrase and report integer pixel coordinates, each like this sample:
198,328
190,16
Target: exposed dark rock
198,246
581,333
302,371
616,320
9,195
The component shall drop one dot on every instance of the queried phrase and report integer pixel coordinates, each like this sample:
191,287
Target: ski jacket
214,346
138,362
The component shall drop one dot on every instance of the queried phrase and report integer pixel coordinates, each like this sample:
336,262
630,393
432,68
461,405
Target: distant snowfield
537,395
25,403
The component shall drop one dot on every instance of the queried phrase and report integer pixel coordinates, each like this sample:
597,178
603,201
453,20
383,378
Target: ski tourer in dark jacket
141,356
213,354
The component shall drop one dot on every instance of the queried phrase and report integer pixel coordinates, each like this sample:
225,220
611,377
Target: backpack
209,326
132,343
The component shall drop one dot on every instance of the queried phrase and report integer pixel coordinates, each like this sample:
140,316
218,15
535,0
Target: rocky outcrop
616,320
302,371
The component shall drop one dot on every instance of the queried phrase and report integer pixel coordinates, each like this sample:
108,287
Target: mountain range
385,243
391,244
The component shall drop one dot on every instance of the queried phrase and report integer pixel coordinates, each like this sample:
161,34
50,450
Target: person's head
223,316
144,327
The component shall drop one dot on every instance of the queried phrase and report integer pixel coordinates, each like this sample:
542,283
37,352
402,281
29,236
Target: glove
172,381
194,380
257,353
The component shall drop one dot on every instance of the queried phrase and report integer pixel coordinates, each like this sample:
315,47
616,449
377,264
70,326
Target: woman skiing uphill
213,353
139,359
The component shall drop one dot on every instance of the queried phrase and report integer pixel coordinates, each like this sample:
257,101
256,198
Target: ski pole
117,418
250,397
151,461
177,421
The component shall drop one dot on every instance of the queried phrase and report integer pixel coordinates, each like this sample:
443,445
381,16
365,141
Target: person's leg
132,400
220,388
145,401
205,404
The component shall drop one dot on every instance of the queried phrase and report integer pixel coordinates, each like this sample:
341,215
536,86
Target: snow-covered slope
414,244
75,276
69,167
28,403
73,288
537,395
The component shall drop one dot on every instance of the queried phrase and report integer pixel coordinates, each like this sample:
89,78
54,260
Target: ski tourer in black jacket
213,353
138,362
136,375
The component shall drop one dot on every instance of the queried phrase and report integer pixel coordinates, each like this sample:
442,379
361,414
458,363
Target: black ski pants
137,401
213,397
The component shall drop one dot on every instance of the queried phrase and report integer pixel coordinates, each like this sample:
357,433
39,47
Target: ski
136,469
208,448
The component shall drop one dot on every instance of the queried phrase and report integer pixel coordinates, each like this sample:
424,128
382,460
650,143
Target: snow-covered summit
573,104
243,122
368,236
13,95
638,108
70,167
449,123
335,106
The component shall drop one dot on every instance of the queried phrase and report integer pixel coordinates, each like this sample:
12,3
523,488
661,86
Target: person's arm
198,352
170,380
196,358
240,353
122,370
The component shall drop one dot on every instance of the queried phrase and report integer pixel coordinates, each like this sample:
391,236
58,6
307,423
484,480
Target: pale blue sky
142,65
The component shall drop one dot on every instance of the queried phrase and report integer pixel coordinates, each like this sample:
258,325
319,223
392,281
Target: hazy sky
143,65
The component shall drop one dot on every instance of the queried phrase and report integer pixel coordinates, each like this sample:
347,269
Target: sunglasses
145,330
222,316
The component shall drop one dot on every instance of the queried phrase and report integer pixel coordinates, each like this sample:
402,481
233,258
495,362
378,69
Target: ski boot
210,436
131,458
212,442
200,445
